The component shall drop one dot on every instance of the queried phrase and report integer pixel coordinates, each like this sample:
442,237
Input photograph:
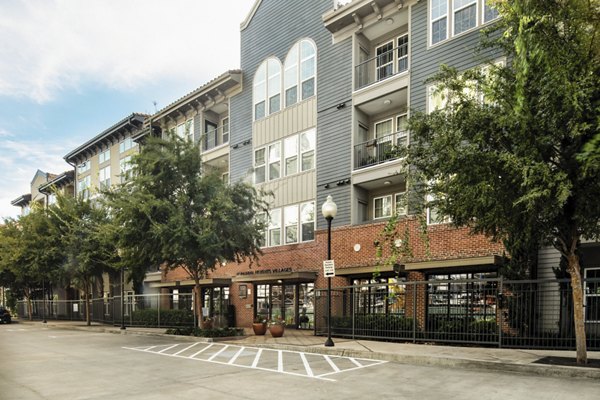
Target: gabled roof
250,15
134,121
58,181
22,200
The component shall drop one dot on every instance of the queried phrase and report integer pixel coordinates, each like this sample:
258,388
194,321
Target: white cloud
54,45
19,161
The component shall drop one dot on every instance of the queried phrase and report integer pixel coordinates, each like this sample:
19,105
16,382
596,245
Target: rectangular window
307,149
291,96
290,152
189,130
400,203
259,110
402,53
274,161
83,187
124,168
439,20
385,60
382,207
592,294
259,165
290,220
225,125
83,167
275,227
436,99
434,216
402,130
489,12
104,177
261,218
125,145
307,221
465,15
181,131
104,156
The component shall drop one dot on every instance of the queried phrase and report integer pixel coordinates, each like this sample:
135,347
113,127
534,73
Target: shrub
212,333
149,317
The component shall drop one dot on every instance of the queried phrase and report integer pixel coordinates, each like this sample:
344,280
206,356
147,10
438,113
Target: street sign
328,268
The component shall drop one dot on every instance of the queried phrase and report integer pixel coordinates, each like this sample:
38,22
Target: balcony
215,138
387,63
377,151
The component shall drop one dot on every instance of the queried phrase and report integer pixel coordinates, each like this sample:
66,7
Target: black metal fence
151,310
494,312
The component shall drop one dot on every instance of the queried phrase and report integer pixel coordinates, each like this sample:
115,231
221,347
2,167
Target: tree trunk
197,303
29,305
88,320
578,311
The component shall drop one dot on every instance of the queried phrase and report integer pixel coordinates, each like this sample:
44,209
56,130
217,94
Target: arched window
260,91
274,84
267,88
299,72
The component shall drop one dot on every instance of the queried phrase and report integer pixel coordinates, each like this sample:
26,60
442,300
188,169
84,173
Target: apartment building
100,163
323,97
44,187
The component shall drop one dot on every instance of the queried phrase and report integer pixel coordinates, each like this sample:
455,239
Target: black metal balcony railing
383,66
377,151
215,138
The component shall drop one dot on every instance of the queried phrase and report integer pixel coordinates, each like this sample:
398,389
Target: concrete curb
556,371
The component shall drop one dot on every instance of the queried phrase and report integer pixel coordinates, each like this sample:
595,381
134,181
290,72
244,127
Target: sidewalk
509,360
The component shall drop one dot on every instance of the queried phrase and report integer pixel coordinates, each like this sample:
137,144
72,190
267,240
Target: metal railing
518,314
381,67
215,138
380,150
149,310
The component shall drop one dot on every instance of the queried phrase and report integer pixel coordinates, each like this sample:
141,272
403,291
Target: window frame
461,8
106,173
450,16
312,132
390,198
277,147
104,156
263,165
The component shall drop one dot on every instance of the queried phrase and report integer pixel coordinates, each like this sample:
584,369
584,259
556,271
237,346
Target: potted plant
277,327
207,323
259,325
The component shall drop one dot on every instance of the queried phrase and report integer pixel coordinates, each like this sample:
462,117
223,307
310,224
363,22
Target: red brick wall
445,242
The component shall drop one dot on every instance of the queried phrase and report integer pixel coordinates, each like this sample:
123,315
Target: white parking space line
335,367
240,351
275,361
187,348
257,358
309,371
217,353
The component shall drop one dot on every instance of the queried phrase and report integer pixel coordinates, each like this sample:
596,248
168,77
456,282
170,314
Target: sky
69,69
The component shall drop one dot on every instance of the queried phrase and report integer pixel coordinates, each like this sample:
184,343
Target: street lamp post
329,210
120,252
44,301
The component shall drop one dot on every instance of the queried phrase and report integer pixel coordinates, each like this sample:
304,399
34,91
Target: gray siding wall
458,52
274,29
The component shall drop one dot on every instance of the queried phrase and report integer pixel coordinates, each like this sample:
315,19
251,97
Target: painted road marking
297,363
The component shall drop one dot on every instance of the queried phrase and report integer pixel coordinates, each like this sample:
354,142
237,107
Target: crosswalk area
309,365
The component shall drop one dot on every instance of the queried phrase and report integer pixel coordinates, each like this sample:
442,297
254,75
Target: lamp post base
329,342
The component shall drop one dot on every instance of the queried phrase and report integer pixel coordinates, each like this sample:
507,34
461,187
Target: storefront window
293,303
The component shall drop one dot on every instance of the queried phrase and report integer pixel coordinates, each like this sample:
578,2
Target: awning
493,260
190,282
290,277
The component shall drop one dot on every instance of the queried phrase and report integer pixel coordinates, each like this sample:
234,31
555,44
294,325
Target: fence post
414,312
352,303
158,307
499,304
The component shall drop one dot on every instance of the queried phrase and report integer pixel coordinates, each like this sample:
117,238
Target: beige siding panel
290,120
291,190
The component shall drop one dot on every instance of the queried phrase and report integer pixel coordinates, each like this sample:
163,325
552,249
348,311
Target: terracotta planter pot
206,325
277,330
259,328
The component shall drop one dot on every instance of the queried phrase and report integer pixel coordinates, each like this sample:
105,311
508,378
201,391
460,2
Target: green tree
30,253
87,250
173,214
503,156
